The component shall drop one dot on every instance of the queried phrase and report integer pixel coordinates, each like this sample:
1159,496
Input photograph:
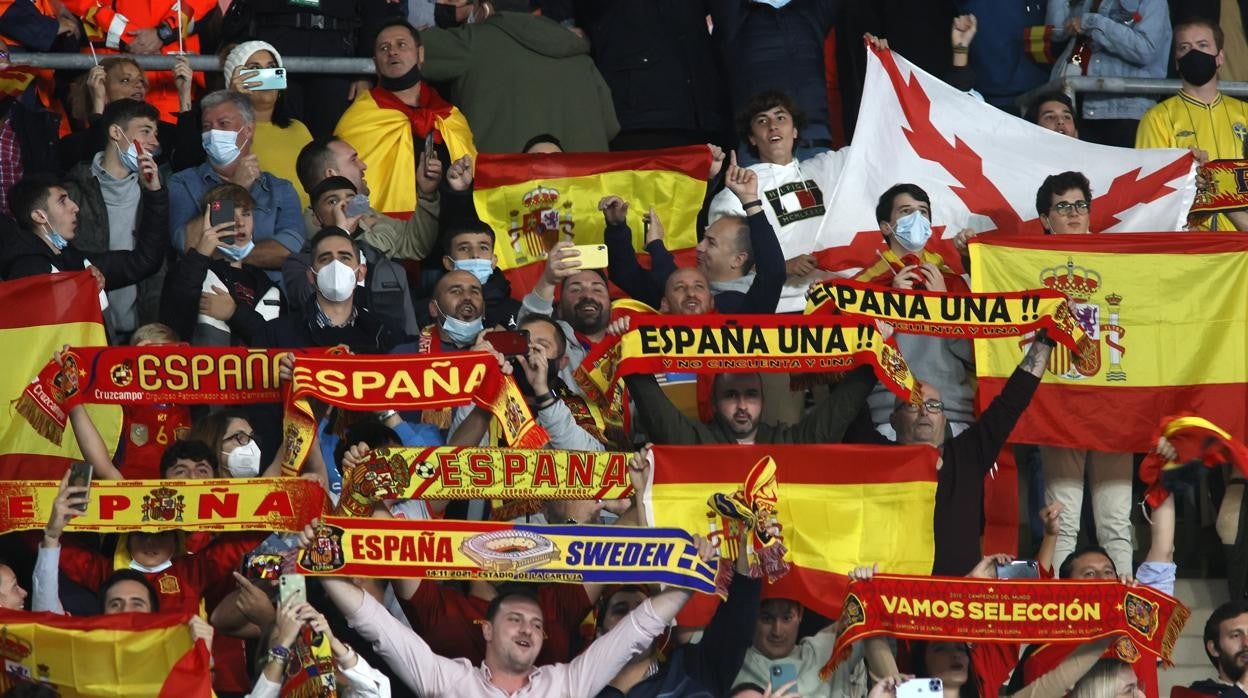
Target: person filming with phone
254,68
213,269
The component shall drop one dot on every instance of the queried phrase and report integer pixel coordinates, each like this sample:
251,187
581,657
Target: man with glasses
1063,203
967,458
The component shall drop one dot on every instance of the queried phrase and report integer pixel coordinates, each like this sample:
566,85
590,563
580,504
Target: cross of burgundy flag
981,167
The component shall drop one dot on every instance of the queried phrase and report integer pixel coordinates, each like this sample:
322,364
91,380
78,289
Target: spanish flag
42,313
389,134
534,201
123,654
838,507
1166,317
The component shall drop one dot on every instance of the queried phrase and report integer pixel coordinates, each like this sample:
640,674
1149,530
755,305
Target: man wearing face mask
904,214
458,309
470,248
229,126
1213,125
413,238
333,319
107,191
388,296
48,225
214,268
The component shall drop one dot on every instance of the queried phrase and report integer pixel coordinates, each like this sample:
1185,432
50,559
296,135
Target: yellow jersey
1182,121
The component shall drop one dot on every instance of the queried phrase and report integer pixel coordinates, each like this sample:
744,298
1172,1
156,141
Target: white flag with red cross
981,167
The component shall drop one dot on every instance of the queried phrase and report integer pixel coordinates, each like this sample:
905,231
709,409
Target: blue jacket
1003,70
763,48
1130,38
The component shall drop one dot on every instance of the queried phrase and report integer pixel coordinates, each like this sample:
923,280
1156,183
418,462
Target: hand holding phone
267,79
1019,569
222,212
80,476
509,342
430,153
292,586
921,688
592,256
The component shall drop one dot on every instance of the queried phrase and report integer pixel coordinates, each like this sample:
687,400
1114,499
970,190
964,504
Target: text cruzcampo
618,554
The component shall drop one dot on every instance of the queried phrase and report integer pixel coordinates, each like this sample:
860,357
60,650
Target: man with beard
457,309
1226,644
738,404
584,302
388,123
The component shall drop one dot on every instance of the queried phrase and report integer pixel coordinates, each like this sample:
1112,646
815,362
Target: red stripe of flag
795,466
1125,243
49,299
1135,414
498,170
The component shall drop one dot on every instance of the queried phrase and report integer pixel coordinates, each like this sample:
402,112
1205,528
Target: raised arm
94,450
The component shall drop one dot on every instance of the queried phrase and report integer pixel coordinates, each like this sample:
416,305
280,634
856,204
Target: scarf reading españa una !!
957,315
147,375
708,344
988,610
410,382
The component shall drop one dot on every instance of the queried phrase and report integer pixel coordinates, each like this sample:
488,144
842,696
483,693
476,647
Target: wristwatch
546,399
279,653
387,414
166,33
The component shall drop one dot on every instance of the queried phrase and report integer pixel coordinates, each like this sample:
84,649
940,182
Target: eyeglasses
933,406
1067,207
242,438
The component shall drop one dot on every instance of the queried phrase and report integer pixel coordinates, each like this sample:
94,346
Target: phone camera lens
936,686
775,671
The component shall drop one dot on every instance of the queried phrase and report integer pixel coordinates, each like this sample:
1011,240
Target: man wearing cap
388,295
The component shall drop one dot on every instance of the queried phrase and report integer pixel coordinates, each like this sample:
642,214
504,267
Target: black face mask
1197,67
402,82
444,16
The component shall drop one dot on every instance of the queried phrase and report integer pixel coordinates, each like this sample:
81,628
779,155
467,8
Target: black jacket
26,254
367,335
179,304
656,57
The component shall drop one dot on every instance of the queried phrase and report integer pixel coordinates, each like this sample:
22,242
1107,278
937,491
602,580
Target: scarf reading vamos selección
987,610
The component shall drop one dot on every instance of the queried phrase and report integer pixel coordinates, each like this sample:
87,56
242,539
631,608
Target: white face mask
221,146
151,570
243,461
336,281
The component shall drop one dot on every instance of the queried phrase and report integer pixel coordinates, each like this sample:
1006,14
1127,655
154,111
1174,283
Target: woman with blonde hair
1108,678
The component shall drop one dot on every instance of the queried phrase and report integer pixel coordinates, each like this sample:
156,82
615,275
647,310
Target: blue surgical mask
55,238
129,156
480,268
774,3
913,231
234,254
221,146
461,333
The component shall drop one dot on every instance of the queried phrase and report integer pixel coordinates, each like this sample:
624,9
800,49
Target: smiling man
514,631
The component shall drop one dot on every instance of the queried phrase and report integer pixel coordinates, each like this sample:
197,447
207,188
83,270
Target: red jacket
181,586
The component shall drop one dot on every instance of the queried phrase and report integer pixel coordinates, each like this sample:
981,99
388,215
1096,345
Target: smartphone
1019,569
429,152
80,476
592,256
919,688
357,206
138,149
509,342
222,212
292,586
269,79
262,566
782,674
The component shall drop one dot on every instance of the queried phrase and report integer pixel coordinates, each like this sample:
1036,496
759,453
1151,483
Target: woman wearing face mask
230,435
213,268
278,138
